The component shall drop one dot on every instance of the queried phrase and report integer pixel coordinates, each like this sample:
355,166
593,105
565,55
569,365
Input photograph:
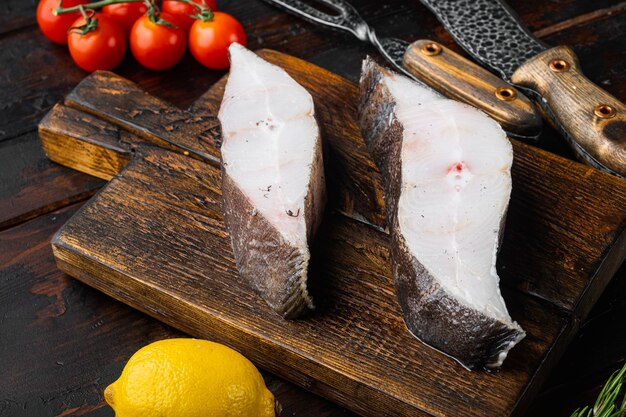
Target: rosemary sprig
608,404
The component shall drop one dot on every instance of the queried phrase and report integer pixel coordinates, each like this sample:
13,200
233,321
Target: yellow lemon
189,378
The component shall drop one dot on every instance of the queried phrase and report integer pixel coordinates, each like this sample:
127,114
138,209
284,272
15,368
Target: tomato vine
203,12
158,37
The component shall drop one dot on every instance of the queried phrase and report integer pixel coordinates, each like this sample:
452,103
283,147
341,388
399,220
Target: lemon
189,378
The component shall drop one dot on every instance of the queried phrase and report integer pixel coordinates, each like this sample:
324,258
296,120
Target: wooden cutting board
154,238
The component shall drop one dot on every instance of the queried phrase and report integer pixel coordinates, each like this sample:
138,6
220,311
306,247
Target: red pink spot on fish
458,167
459,175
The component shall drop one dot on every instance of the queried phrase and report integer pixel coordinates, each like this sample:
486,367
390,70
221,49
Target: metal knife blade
393,50
489,31
590,119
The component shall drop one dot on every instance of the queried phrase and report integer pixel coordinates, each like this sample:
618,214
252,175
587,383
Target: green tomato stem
91,6
204,12
91,23
205,15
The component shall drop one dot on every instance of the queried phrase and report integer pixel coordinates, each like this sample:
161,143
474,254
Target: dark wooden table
62,343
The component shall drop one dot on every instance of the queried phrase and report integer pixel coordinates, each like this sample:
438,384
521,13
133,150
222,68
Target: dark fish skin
274,268
434,317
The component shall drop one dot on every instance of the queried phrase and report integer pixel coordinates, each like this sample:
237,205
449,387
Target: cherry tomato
157,46
55,27
101,49
125,14
209,41
182,11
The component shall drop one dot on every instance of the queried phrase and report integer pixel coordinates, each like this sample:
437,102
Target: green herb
612,400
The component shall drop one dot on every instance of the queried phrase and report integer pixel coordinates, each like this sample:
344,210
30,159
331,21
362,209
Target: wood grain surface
63,343
115,244
592,120
458,78
129,116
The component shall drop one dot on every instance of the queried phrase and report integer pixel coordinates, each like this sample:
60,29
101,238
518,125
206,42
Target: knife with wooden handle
590,119
460,79
434,65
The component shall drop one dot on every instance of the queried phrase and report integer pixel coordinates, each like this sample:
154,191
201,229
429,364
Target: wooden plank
108,96
597,351
63,342
31,184
36,300
168,197
99,148
340,59
28,88
16,14
592,234
354,350
122,102
73,389
549,17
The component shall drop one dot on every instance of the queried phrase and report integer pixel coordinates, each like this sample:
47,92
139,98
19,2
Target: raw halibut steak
272,179
446,171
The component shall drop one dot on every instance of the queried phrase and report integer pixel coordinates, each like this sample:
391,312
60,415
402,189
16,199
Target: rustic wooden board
154,238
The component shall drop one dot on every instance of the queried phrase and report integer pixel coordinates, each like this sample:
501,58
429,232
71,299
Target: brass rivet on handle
431,48
506,94
559,65
604,111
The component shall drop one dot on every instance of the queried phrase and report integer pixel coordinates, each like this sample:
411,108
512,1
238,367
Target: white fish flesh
446,169
272,179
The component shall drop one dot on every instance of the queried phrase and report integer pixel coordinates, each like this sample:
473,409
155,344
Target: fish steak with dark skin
272,179
446,172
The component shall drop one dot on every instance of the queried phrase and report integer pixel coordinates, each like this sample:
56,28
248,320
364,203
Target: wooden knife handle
456,77
593,121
